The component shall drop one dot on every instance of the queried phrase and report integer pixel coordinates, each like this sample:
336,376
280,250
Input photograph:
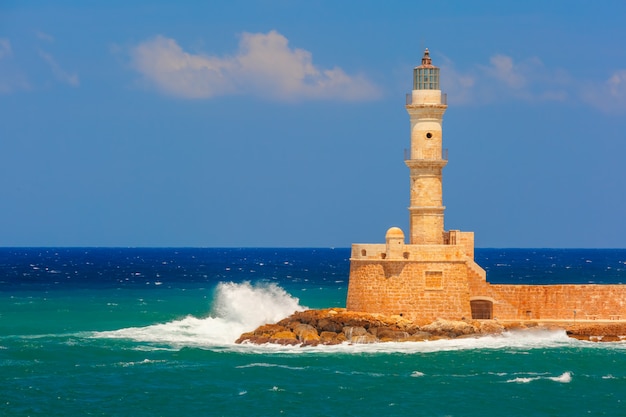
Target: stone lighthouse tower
434,273
426,106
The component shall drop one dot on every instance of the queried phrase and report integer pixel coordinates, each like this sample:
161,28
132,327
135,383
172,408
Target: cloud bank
504,79
264,65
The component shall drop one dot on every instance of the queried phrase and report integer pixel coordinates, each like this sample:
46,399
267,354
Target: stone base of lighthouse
428,282
418,282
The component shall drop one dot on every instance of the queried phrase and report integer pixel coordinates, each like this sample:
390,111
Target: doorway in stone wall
482,309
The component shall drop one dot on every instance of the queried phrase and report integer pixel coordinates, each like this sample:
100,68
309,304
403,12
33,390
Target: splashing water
564,378
237,308
254,305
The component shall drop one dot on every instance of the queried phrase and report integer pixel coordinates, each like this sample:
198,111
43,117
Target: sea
151,331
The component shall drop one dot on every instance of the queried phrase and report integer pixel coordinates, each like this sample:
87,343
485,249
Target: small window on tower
429,135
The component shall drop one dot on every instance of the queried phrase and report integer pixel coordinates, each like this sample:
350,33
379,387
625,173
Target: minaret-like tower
434,275
426,106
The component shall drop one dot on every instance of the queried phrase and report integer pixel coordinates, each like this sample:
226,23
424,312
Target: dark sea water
149,332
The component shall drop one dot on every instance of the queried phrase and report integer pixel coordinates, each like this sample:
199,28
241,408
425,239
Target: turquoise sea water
149,332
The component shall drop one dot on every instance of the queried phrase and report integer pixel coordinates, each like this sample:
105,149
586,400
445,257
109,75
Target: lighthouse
433,274
426,159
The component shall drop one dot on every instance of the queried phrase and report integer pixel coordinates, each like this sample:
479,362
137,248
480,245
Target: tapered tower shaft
426,106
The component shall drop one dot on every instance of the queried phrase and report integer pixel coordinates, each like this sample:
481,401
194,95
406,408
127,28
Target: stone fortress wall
426,282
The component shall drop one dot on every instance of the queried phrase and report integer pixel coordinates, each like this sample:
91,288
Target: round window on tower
429,135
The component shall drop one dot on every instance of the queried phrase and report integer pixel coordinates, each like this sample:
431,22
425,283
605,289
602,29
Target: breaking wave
564,378
237,308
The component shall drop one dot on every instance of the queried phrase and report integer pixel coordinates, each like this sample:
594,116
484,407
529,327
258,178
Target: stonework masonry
427,282
434,276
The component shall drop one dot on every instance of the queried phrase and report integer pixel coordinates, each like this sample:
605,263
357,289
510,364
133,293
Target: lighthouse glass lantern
426,76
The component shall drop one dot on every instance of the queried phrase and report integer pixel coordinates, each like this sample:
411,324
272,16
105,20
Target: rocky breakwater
335,326
606,331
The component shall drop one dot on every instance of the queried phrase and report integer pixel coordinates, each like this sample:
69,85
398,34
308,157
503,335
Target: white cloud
505,79
59,73
617,85
174,71
610,95
264,65
502,68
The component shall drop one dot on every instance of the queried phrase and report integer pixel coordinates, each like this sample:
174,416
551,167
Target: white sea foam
237,308
143,362
564,378
270,365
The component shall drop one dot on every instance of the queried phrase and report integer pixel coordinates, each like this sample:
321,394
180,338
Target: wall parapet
416,253
457,246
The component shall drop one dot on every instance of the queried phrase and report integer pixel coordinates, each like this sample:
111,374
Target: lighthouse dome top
426,76
427,62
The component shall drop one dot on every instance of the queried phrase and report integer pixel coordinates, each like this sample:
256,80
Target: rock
489,327
449,328
362,339
269,329
329,325
390,335
351,331
262,334
331,338
513,326
418,337
597,332
306,333
245,337
358,334
284,337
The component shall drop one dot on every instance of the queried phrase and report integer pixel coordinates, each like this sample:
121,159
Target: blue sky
282,123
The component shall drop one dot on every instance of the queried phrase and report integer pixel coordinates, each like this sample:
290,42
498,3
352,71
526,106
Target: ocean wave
270,365
143,362
237,308
564,378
